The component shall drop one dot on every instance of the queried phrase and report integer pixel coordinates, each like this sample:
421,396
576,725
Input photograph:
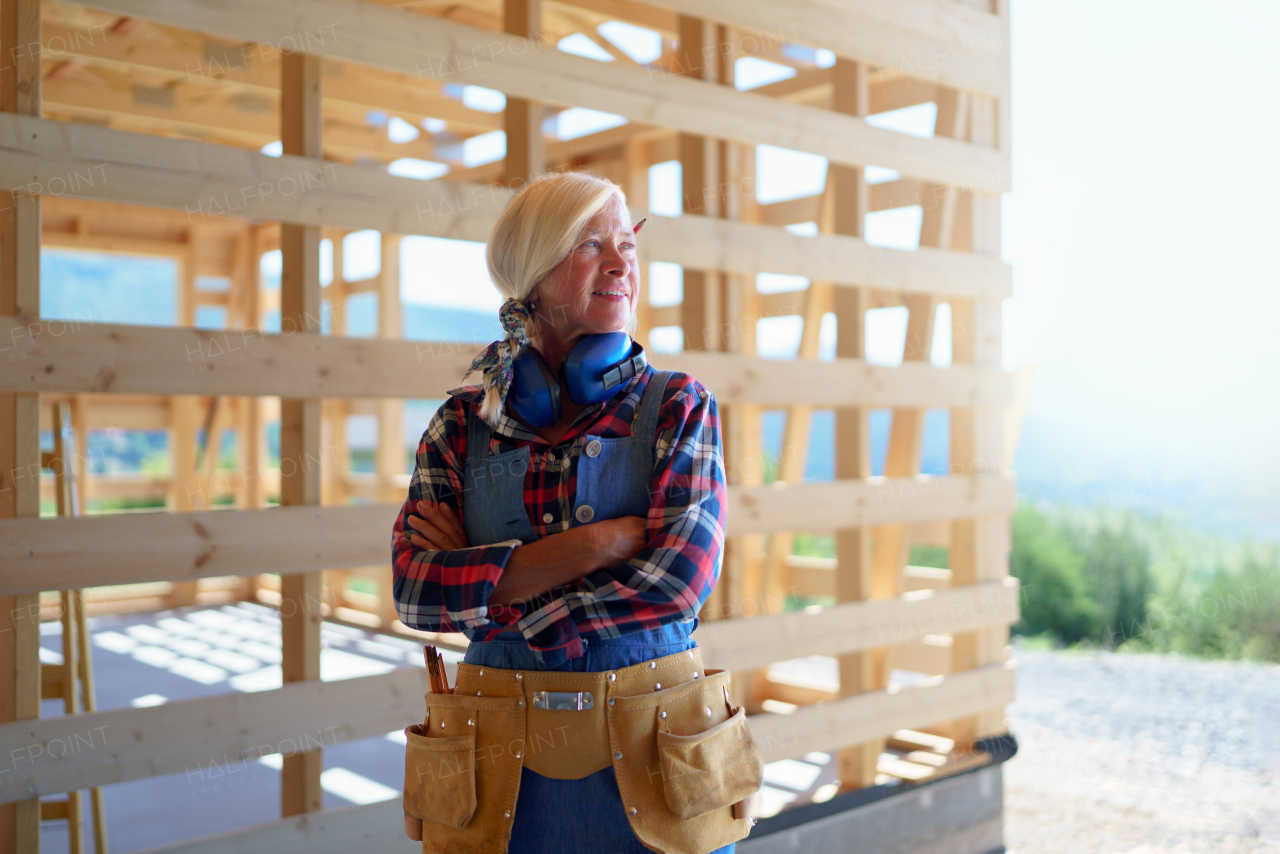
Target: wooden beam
389,460
631,11
375,826
370,827
42,554
754,641
822,505
980,545
416,44
874,715
214,117
938,40
82,357
902,193
202,180
701,308
522,120
710,243
204,66
20,87
202,736
300,451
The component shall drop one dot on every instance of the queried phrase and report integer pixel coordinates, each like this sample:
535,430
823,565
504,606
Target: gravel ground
1147,754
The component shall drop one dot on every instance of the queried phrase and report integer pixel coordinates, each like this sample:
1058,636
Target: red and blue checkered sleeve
674,574
446,590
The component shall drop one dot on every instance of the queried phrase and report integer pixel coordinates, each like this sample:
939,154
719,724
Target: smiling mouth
610,292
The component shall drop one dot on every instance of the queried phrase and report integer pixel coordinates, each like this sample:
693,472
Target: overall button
547,518
585,513
593,448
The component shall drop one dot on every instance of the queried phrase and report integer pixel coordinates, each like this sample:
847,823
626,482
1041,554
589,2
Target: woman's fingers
426,535
445,520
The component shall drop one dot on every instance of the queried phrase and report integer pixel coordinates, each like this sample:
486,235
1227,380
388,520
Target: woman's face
595,287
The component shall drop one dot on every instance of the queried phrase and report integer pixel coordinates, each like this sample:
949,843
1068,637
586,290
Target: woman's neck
554,351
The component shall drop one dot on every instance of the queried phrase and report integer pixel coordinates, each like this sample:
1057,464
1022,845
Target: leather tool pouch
711,769
440,777
687,757
462,772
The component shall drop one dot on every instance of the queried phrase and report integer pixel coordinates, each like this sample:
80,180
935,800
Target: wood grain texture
207,180
92,551
855,626
396,40
71,356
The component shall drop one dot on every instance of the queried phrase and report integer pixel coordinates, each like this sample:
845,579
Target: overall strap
646,423
478,432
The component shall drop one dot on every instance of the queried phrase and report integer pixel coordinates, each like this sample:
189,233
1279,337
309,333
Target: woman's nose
615,263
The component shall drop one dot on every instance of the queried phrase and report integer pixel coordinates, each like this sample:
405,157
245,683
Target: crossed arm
537,567
616,576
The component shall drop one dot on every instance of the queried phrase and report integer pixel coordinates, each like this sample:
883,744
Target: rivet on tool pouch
683,756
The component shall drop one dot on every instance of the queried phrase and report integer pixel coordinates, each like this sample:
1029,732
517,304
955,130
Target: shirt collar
513,430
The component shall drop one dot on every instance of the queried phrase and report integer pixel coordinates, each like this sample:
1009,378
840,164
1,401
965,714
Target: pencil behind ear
639,225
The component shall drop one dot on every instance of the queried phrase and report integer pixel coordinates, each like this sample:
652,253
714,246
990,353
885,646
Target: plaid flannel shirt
667,581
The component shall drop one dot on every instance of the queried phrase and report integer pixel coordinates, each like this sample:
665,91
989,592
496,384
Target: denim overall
570,816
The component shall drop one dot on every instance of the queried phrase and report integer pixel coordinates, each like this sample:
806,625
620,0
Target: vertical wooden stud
20,412
699,178
300,452
979,546
850,197
522,120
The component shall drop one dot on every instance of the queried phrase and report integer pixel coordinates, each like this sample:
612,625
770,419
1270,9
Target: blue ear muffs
593,370
535,393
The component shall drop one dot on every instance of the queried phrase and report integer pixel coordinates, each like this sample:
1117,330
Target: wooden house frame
135,126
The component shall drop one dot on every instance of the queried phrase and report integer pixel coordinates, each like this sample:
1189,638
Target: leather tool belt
681,752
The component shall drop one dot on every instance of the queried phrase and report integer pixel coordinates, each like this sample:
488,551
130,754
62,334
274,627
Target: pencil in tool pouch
433,668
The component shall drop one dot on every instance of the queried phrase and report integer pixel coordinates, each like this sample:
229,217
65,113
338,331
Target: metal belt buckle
574,701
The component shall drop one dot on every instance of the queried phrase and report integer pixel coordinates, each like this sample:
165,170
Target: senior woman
584,546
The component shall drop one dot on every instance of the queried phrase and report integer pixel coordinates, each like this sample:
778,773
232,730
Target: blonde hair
540,226
534,233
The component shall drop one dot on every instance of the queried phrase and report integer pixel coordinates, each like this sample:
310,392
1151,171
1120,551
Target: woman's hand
413,827
619,539
568,556
435,527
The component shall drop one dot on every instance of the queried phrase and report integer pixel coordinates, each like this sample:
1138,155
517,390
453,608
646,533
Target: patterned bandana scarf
496,360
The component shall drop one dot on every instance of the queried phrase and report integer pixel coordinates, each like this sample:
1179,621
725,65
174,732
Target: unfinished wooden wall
179,175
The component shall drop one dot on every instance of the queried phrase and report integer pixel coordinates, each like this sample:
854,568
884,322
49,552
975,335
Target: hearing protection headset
592,371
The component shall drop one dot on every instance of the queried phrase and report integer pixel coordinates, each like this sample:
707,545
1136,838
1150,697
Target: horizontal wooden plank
402,41
83,356
209,737
207,180
887,195
368,828
94,551
91,551
939,40
203,179
833,504
711,243
755,641
838,382
204,738
862,717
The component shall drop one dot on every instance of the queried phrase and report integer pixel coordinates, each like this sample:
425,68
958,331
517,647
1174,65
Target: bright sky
1142,229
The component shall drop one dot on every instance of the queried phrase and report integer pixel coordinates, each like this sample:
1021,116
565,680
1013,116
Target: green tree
1117,572
1055,596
